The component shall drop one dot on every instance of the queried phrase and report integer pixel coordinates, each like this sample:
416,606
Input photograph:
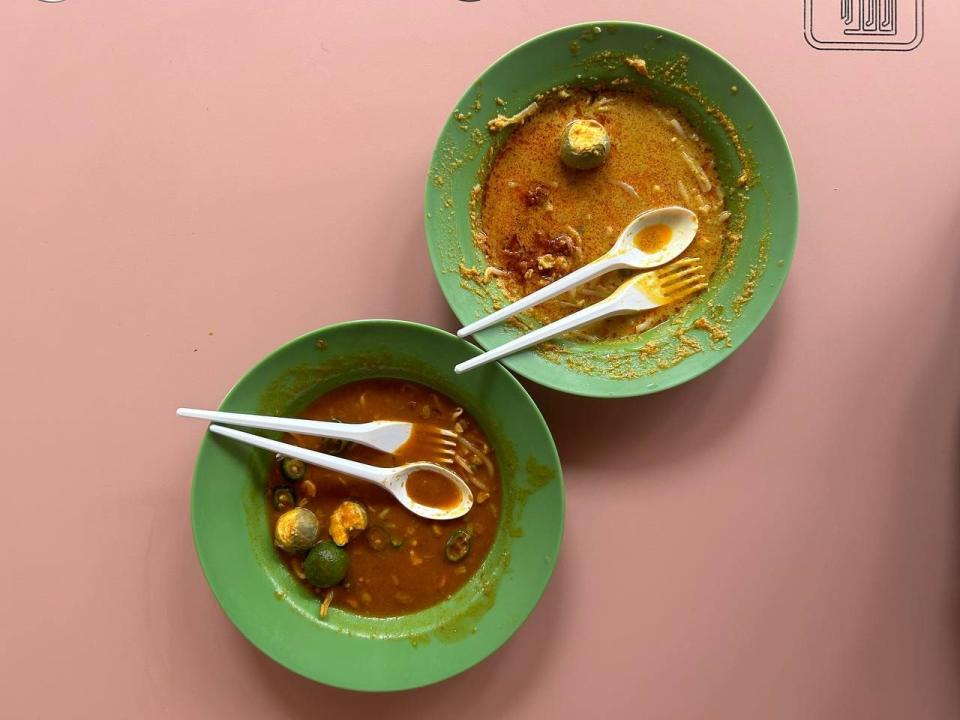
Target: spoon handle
363,433
588,272
613,305
370,473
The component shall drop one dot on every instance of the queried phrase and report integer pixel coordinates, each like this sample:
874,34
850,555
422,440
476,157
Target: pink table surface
186,185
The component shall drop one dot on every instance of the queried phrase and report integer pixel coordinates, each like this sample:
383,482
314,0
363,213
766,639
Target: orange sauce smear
653,238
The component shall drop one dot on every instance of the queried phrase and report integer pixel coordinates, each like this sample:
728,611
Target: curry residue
539,220
397,563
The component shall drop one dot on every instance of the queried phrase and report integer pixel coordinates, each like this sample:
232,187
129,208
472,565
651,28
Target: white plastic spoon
679,222
393,479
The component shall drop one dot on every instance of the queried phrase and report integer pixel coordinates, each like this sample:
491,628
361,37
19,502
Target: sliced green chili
334,446
293,469
378,538
283,498
458,546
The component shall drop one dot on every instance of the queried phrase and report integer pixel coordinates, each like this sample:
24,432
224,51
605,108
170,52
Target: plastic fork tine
668,269
673,288
686,291
672,278
686,279
443,445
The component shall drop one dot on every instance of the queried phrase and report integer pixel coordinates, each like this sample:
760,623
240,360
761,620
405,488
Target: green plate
703,85
278,615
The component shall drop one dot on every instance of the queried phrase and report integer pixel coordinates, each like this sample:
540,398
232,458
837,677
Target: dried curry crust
541,219
701,325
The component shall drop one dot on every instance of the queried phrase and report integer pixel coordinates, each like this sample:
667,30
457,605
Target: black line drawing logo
863,24
874,18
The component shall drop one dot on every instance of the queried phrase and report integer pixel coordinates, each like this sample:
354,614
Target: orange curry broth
432,490
384,580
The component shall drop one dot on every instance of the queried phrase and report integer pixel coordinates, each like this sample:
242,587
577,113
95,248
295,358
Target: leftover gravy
545,211
351,542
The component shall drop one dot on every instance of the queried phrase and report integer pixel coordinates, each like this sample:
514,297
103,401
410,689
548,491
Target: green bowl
709,91
280,616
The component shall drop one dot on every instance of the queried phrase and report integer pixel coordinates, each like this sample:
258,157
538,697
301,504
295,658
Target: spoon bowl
655,237
397,485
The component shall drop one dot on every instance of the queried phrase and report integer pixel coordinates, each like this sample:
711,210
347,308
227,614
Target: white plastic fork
392,479
384,435
624,254
644,292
